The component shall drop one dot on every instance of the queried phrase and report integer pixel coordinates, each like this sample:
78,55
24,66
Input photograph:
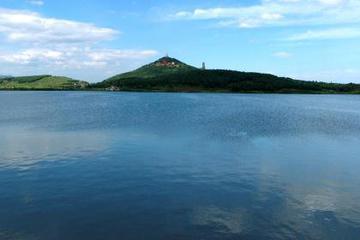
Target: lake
99,165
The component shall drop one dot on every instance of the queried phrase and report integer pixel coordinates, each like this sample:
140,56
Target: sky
94,39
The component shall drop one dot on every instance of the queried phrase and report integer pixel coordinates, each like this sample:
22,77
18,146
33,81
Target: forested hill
162,67
168,74
41,82
171,75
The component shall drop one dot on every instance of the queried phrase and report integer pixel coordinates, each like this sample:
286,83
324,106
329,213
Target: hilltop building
167,62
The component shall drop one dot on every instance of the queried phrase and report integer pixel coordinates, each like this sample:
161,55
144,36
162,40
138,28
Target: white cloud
29,55
282,54
333,2
73,57
280,13
335,33
86,63
110,54
30,27
34,44
36,2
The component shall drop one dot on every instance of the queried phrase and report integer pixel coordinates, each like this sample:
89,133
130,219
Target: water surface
83,165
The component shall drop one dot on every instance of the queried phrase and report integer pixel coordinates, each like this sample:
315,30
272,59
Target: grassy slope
41,82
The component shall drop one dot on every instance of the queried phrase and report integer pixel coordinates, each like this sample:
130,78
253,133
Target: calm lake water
86,165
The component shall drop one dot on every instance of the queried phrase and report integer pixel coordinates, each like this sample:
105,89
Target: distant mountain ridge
5,76
170,74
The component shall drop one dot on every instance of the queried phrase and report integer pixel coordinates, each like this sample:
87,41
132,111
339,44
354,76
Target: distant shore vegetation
171,75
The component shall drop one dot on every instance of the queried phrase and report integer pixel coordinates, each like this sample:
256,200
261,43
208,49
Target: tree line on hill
225,80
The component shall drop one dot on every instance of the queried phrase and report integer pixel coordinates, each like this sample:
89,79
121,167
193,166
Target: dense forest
172,75
189,79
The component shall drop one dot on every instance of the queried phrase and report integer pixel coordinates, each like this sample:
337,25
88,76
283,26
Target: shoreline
172,91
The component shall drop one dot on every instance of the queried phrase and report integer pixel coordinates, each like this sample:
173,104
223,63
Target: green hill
41,82
162,67
169,74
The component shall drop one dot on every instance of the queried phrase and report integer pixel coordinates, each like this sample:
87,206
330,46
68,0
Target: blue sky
93,39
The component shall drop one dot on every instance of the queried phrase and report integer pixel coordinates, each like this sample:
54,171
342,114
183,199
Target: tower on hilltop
203,67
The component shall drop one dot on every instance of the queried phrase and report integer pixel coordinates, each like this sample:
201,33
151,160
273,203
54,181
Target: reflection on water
6,235
24,148
225,221
78,165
